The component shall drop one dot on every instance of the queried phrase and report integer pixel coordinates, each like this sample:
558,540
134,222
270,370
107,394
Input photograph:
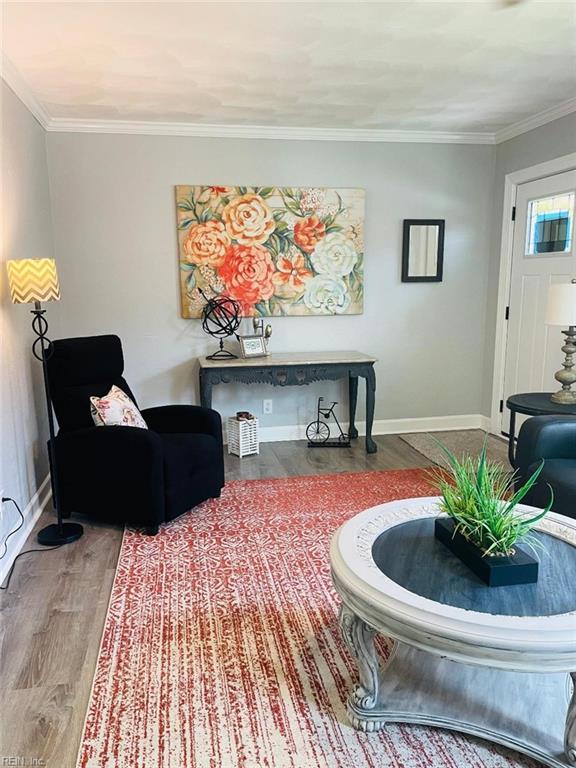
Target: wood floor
53,613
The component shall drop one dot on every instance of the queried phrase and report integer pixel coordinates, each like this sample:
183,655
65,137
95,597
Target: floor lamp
36,280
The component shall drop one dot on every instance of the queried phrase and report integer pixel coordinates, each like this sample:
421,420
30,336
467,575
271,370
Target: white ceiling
475,66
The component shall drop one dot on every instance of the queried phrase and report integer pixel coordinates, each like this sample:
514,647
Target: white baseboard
384,427
31,513
426,424
486,425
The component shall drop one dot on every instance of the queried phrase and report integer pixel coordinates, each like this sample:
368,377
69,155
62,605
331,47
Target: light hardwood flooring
53,613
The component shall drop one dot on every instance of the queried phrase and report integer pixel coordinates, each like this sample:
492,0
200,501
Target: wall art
275,250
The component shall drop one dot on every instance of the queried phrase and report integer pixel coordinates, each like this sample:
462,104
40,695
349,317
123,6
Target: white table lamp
561,310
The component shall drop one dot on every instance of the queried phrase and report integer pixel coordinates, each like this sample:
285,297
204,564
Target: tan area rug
463,442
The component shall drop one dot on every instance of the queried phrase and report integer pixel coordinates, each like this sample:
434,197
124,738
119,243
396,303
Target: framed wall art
277,251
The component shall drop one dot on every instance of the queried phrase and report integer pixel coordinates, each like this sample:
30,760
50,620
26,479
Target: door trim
511,183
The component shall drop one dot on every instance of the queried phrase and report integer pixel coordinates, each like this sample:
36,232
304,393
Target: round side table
532,404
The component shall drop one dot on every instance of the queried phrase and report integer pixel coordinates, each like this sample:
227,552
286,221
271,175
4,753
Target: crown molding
199,130
16,83
536,121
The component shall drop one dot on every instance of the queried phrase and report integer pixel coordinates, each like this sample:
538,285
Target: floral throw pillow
116,410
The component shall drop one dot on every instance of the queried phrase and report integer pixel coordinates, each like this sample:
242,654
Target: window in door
550,224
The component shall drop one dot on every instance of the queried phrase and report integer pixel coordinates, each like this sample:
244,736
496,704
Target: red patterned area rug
221,647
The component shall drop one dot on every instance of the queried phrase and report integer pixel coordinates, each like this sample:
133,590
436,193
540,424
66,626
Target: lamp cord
27,551
15,530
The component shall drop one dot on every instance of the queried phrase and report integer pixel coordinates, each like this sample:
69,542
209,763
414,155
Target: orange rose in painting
206,243
308,233
247,273
248,220
291,277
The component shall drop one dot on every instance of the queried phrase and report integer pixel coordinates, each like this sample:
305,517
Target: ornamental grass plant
479,496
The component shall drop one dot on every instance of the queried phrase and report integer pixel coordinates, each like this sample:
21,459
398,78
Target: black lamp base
53,535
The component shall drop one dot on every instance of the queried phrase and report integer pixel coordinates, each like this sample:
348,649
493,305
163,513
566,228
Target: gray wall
115,236
546,143
26,233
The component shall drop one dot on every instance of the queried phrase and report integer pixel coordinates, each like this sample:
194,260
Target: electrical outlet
267,406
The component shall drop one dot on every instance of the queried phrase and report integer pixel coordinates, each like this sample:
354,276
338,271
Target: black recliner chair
140,476
552,438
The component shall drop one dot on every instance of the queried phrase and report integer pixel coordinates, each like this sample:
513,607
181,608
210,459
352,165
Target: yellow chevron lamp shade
33,280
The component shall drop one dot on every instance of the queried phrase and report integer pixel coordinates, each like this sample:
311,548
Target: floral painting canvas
274,250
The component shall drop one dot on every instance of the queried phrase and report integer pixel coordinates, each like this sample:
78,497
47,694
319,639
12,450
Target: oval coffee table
496,662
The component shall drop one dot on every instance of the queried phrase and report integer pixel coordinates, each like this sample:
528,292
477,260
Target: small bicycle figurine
318,431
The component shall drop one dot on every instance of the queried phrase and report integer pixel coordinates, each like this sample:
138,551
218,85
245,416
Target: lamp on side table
36,280
561,310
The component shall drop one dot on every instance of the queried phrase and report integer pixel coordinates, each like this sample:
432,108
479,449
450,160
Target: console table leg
570,733
359,638
371,446
352,400
205,390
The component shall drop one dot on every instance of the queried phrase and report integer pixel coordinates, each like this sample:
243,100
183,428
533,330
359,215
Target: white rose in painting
334,255
326,295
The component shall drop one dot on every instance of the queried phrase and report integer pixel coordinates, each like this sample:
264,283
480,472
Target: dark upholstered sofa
122,473
552,438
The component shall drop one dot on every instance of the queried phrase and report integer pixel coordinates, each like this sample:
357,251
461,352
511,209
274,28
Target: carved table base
524,711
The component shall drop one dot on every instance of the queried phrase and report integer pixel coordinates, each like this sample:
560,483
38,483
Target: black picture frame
408,224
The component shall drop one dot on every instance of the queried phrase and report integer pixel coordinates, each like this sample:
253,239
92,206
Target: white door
543,253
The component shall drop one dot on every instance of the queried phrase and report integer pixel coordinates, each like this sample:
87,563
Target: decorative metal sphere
221,317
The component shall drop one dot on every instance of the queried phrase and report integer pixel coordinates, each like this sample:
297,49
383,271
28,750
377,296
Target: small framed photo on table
253,346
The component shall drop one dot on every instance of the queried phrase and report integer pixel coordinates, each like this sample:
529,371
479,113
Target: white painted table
506,678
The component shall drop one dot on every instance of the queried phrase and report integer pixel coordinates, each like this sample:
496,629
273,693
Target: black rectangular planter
494,570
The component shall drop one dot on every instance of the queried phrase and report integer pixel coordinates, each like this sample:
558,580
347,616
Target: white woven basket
243,437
